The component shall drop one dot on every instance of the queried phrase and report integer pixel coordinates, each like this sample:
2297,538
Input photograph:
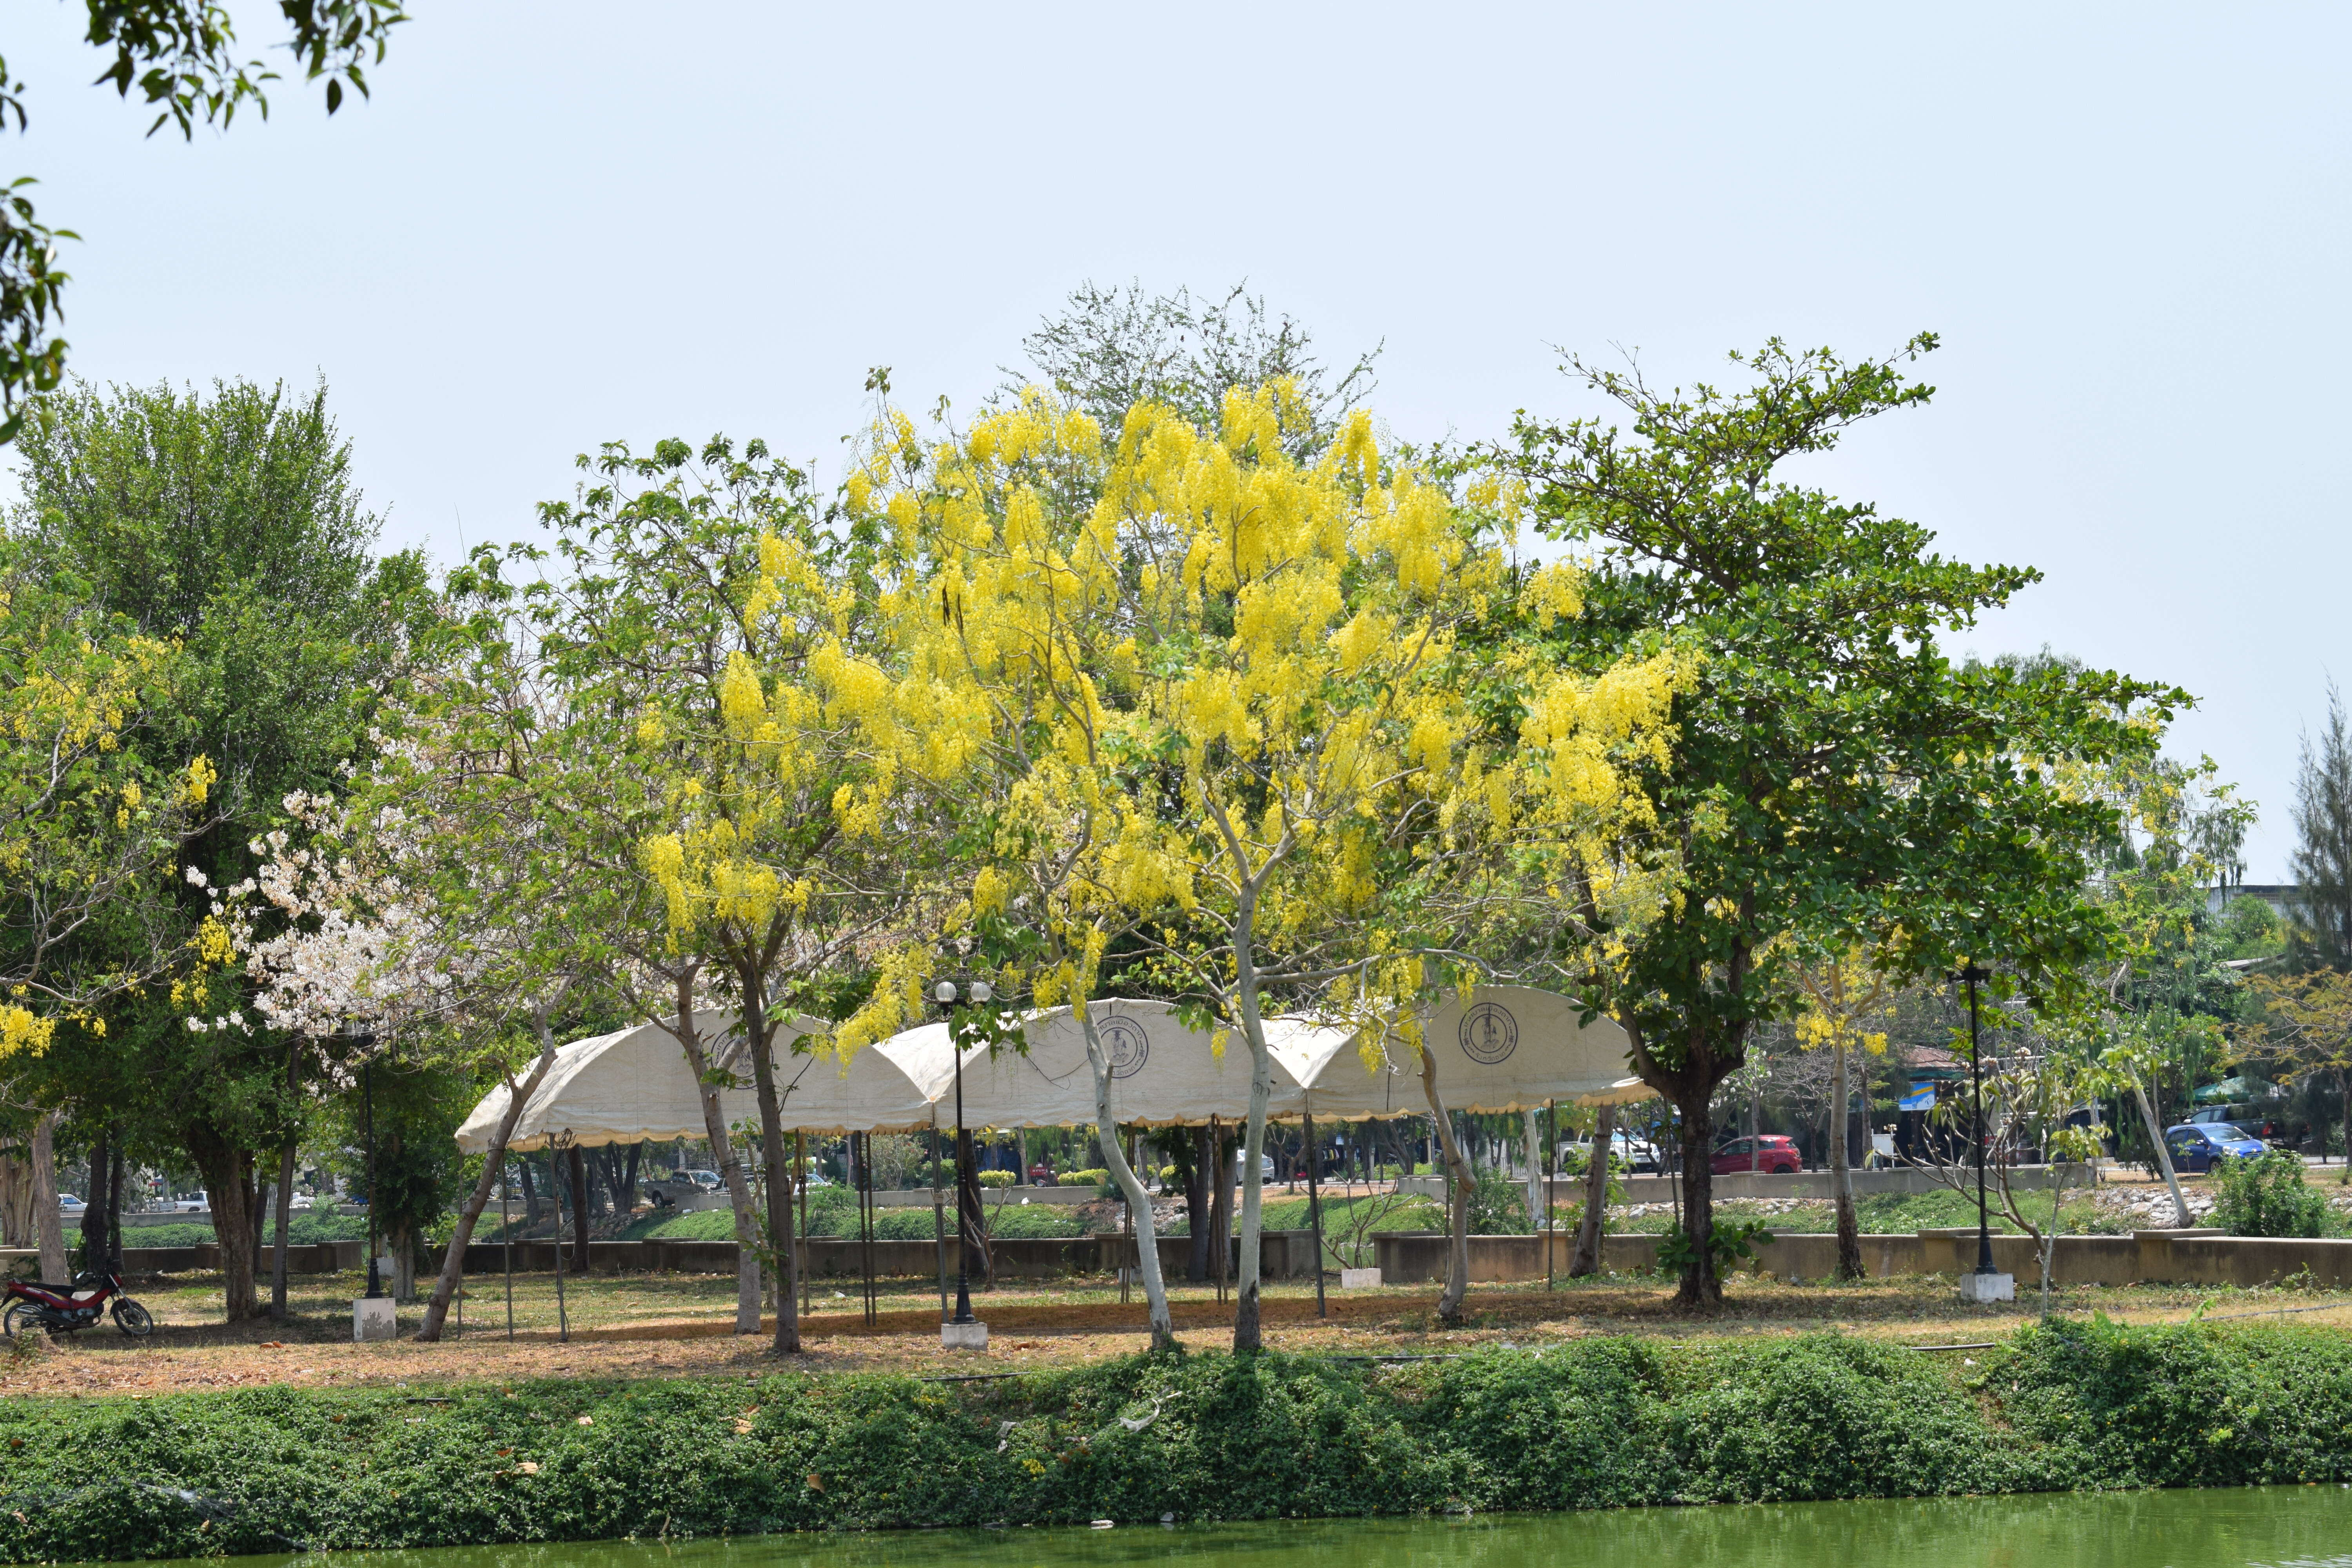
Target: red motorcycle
61,1309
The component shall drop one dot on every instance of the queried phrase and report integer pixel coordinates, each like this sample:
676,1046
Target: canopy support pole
862,1144
799,1238
555,1190
1551,1147
1219,1220
506,1235
1314,1214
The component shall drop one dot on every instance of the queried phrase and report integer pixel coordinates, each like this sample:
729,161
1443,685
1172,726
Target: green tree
700,595
229,527
1835,778
2323,852
1110,350
181,58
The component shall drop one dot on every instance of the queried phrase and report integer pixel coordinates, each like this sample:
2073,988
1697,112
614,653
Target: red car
1769,1154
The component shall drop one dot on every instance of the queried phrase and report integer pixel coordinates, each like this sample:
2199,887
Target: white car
1637,1154
69,1203
194,1203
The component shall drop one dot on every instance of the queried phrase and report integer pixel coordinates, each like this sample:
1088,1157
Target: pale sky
560,223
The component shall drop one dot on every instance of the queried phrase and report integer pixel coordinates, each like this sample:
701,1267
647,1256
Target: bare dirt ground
679,1326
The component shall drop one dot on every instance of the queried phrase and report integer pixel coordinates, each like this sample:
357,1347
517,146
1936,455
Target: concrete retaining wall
2149,1256
320,1257
1802,1184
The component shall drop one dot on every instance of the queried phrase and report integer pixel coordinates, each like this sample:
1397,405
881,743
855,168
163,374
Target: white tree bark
47,1224
2163,1153
1139,1201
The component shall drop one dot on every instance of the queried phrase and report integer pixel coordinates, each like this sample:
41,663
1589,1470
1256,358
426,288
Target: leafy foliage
180,55
1731,1239
2266,1195
1601,1423
1836,781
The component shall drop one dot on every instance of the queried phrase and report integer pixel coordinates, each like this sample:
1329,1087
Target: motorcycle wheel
133,1318
20,1315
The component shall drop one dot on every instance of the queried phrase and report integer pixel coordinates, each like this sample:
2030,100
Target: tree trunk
530,1195
972,1217
1139,1201
2345,1079
93,1218
761,1031
729,1163
285,1220
2163,1153
1538,1198
575,1166
1596,1194
1458,1186
1701,1286
1197,1203
227,1170
1221,1206
453,1262
48,1226
114,1211
1247,1329
1849,1230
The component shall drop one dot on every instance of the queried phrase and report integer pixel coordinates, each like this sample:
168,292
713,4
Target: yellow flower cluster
23,1032
1181,663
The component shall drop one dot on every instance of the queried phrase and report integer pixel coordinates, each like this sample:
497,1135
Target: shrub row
1602,1423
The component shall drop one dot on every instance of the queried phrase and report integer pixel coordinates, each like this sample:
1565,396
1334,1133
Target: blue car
2197,1145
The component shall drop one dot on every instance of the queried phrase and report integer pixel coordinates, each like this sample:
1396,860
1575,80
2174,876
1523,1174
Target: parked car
2254,1123
187,1203
1772,1155
1041,1174
2196,1145
1638,1155
70,1204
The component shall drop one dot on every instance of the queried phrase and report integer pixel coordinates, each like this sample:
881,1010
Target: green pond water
2255,1526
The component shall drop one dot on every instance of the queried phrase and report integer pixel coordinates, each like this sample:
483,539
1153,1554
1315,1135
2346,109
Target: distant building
2280,895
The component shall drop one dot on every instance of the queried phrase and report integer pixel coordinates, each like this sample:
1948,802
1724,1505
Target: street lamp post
1970,974
1985,1282
367,1113
372,1314
979,991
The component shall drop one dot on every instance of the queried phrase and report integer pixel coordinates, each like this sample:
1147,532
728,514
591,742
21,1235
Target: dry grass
678,1325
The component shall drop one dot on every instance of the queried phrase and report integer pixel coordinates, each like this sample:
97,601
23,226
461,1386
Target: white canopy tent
634,1084
1508,1048
1163,1073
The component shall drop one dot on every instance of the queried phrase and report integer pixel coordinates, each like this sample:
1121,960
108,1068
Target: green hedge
1599,1422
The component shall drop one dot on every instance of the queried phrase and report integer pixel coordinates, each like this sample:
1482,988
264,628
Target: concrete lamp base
963,1336
1360,1278
1983,1288
372,1319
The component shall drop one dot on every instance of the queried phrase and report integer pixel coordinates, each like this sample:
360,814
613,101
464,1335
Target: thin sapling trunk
1596,1194
1139,1201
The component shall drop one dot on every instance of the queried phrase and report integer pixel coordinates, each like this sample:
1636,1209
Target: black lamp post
1970,974
979,991
367,1113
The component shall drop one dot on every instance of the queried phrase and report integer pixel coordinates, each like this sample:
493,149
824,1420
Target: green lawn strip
839,1220
1885,1214
1591,1424
301,1230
